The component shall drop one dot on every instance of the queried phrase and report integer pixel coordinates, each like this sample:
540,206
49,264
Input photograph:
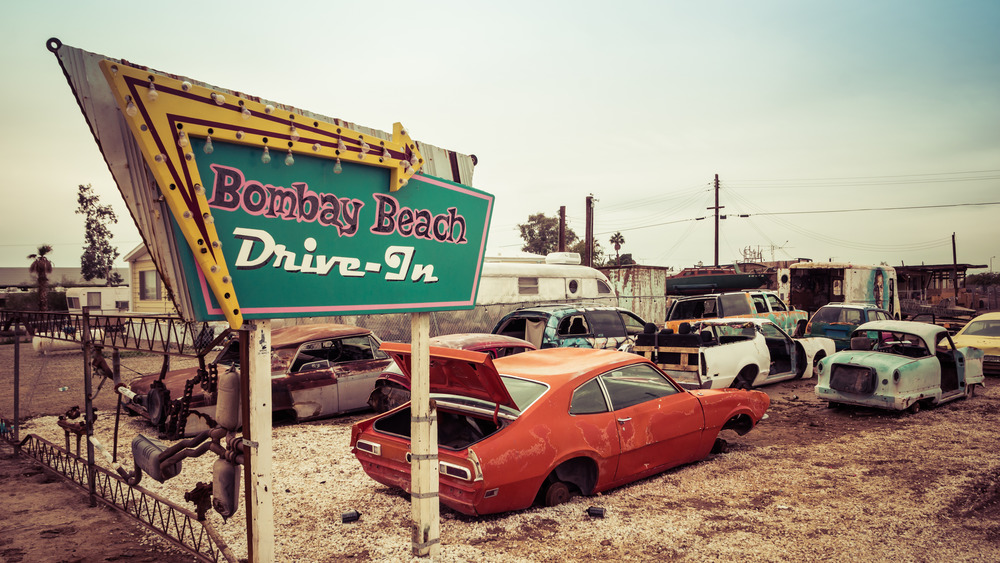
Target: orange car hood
456,372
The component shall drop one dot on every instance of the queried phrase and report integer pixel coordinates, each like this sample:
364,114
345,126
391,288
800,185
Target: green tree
41,267
984,279
99,255
617,240
541,234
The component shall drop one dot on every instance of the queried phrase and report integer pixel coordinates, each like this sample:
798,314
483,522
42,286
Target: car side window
633,324
776,304
588,399
315,355
606,324
573,325
759,305
736,304
636,384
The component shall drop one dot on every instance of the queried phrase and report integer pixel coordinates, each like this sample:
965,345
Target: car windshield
982,328
900,343
524,392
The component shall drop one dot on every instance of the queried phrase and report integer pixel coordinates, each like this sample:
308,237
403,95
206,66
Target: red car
392,388
317,370
543,424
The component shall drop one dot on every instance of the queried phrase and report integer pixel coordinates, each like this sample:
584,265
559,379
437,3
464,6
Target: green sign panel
305,236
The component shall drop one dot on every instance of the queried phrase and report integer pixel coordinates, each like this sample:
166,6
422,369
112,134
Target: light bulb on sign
182,139
337,168
289,160
266,157
208,145
152,94
246,112
131,108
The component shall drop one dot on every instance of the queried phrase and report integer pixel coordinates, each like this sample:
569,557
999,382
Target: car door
659,425
781,349
356,368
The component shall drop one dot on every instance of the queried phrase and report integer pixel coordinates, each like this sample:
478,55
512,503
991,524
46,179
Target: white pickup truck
732,352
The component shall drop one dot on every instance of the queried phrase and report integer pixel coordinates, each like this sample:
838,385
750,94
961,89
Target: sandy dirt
809,483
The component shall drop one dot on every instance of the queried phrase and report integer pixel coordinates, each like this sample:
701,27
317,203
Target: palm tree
618,240
41,267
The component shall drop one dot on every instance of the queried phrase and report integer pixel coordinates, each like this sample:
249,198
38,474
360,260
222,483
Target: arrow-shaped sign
164,112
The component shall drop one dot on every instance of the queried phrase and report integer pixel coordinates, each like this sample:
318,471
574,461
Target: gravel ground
809,483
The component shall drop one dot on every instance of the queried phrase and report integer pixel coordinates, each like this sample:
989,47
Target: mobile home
98,300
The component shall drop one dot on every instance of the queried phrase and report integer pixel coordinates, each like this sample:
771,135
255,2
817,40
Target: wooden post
88,410
17,385
423,444
260,510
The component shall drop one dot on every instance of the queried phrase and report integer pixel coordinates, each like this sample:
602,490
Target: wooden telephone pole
717,208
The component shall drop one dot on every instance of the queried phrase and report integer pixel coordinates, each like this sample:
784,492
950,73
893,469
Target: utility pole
716,208
562,228
954,268
589,245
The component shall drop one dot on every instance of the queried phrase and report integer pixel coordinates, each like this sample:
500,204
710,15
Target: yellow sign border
164,112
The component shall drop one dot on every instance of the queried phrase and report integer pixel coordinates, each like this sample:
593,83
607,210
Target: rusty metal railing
176,524
143,333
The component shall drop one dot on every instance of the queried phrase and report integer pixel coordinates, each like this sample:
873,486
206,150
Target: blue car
837,321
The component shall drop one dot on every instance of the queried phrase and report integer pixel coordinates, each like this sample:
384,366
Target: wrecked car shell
899,365
317,370
582,420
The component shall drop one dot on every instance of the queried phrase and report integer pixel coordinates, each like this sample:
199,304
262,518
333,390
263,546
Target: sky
847,131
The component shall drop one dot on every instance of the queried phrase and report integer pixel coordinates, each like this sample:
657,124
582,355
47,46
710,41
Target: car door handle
624,420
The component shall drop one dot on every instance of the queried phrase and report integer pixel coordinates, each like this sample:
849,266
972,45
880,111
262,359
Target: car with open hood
544,424
983,332
317,370
899,365
392,388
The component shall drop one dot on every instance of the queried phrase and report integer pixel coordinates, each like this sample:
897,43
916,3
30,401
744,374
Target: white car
733,352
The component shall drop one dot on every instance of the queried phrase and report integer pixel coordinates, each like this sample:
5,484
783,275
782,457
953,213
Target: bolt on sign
276,212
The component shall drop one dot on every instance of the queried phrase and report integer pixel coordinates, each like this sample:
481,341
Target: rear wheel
556,492
819,356
720,447
914,408
744,380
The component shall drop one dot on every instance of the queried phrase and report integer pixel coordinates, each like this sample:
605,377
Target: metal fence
178,525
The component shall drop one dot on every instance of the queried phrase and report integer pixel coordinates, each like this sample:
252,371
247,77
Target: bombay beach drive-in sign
276,212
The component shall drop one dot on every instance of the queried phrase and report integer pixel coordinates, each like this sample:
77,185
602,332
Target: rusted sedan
317,370
392,388
544,424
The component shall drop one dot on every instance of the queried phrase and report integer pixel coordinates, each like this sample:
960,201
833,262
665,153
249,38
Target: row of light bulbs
182,139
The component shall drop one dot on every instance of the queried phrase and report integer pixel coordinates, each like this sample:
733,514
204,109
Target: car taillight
452,470
370,447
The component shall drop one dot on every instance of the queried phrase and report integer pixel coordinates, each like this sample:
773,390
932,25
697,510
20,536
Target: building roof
65,277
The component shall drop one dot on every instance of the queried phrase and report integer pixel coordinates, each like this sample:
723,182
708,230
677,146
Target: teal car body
572,326
837,321
899,365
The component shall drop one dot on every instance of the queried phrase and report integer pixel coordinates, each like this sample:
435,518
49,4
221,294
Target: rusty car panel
585,421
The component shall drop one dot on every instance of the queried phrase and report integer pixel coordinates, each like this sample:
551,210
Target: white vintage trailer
98,300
